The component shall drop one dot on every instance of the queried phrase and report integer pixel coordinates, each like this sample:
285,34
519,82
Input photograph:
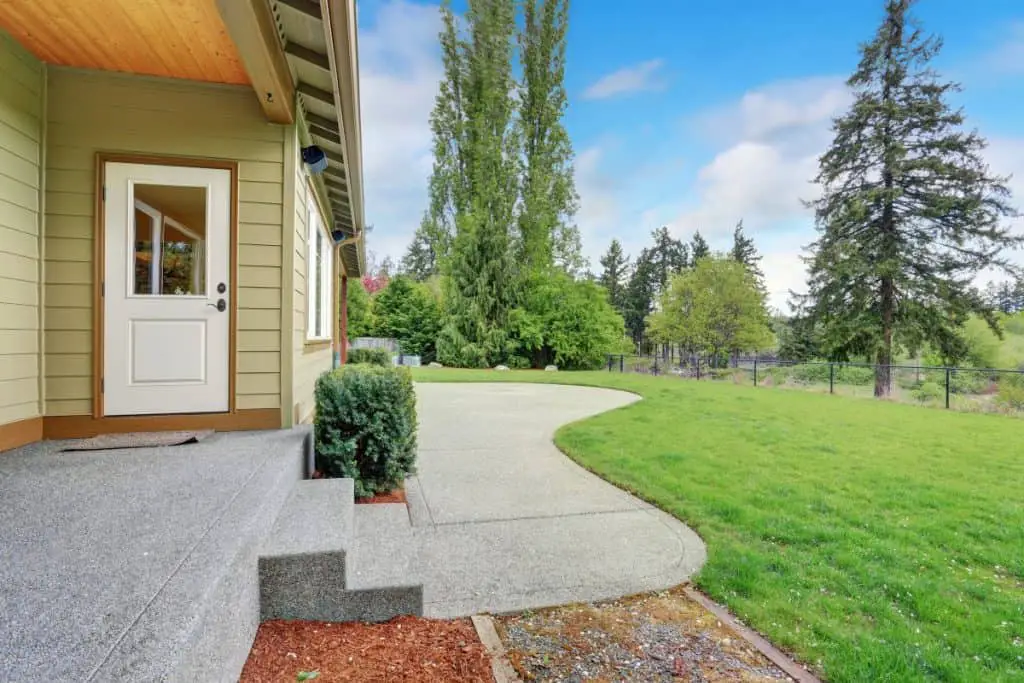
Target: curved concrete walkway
499,519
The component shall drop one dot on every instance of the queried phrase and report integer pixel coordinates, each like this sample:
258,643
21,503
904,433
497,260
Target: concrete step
383,570
302,567
202,623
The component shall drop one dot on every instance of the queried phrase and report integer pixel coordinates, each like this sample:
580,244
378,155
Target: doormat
105,442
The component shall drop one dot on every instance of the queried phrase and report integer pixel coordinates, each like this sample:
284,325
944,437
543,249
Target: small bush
366,426
929,391
1011,393
369,357
818,373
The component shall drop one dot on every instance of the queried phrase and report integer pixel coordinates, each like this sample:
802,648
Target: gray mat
105,442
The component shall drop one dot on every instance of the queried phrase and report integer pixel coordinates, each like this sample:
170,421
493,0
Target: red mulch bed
407,649
396,496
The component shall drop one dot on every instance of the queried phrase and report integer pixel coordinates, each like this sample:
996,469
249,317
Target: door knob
221,305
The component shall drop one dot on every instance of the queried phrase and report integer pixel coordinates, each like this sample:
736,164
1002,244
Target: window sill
315,345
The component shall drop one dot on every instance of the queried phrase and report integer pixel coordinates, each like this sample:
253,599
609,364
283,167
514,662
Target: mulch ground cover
651,637
406,649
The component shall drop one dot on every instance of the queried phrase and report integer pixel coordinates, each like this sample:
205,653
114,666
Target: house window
318,276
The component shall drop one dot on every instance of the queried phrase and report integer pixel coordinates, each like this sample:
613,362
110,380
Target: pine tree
614,276
909,212
640,296
667,257
481,288
744,251
698,248
547,235
420,261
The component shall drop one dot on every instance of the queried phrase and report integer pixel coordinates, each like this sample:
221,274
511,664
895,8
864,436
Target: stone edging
500,666
777,657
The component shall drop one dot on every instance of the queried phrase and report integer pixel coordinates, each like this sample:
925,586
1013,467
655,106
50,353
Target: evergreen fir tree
640,296
909,212
698,248
744,251
420,261
667,257
615,275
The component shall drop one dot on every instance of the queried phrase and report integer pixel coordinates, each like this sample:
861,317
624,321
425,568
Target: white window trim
314,228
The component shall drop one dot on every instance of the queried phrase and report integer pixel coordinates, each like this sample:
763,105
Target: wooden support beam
311,56
314,92
307,7
253,29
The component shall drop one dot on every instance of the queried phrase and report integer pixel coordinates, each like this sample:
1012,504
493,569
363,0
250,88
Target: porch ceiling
180,39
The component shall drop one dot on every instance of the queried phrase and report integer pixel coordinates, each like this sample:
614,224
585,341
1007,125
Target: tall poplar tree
478,165
547,234
909,213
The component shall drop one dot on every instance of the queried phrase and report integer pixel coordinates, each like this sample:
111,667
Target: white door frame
99,267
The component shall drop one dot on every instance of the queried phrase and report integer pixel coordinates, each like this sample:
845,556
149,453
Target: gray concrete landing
500,520
137,564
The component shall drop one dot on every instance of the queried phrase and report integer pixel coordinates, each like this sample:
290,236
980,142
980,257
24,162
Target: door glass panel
169,240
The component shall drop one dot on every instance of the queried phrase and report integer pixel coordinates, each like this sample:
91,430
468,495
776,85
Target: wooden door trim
99,265
84,426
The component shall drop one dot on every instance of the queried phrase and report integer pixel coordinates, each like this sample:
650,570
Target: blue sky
688,114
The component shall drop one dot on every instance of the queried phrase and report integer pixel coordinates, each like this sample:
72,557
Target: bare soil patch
407,649
396,496
650,637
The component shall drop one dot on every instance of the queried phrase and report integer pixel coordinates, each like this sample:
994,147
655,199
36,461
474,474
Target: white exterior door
167,285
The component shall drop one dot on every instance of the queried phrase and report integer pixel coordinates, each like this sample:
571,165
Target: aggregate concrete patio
500,520
137,564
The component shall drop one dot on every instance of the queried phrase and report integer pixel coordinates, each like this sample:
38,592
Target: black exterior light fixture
315,159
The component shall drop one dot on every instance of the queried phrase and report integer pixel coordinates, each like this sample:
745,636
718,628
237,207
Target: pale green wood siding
307,365
92,111
22,97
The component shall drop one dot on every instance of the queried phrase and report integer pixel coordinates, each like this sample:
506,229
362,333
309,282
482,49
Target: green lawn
876,541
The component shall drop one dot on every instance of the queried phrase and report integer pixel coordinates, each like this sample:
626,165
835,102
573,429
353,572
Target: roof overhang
302,59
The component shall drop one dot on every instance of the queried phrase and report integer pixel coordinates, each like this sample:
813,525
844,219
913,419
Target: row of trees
498,234
636,289
909,215
1006,296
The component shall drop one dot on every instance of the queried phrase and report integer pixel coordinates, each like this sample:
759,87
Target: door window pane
169,240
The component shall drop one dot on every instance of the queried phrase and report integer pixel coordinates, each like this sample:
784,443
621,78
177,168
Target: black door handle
221,305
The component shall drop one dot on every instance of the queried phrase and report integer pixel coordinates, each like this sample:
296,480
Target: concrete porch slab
135,564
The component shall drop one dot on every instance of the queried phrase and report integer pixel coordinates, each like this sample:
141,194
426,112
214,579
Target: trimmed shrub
366,426
369,357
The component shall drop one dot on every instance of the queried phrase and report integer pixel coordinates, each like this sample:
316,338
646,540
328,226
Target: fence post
622,363
609,362
698,368
831,378
948,371
755,371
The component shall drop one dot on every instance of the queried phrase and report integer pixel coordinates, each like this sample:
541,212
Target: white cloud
400,68
771,139
627,80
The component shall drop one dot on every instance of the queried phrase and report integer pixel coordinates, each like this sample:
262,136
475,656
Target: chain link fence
993,390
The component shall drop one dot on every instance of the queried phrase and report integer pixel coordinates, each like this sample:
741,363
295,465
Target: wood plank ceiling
179,39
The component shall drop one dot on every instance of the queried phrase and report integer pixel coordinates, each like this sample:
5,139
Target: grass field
876,541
